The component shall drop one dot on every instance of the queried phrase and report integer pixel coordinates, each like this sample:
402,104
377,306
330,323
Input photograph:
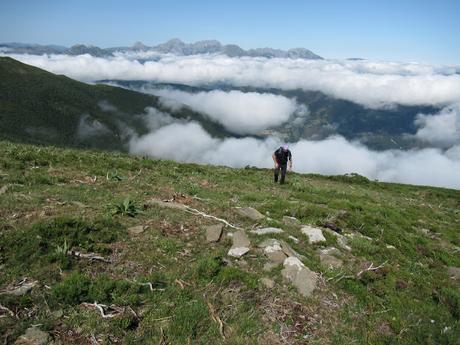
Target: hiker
281,158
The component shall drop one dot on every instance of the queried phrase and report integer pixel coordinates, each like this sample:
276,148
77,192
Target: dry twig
89,256
216,318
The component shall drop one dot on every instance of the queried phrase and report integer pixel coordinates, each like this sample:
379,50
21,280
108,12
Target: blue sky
404,30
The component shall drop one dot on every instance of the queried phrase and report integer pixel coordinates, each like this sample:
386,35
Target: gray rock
213,232
240,245
291,221
4,189
289,251
269,266
328,257
249,212
265,231
33,336
22,289
454,273
136,230
314,235
267,282
299,275
275,253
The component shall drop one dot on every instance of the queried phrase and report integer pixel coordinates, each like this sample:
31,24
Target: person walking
281,157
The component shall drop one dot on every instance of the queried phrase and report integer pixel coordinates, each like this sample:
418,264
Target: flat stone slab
314,235
33,336
299,275
136,230
265,231
249,212
291,221
240,245
213,232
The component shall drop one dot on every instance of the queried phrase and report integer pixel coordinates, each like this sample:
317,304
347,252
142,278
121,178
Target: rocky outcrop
299,275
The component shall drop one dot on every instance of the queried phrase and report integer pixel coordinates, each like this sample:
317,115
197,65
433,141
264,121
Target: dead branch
8,311
199,213
89,256
371,268
216,318
105,310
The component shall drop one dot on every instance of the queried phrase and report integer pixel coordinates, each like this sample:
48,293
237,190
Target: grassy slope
58,197
40,107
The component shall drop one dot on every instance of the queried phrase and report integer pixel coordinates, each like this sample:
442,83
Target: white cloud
370,83
239,112
442,129
188,142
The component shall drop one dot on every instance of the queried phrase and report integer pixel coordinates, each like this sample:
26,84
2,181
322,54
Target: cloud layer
442,129
189,142
370,83
239,112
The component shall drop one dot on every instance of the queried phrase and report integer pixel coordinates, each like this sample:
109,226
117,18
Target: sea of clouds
373,84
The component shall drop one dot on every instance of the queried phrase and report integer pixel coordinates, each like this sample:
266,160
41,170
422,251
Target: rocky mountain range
173,46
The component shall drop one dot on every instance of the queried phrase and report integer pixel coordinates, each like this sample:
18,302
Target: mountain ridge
172,46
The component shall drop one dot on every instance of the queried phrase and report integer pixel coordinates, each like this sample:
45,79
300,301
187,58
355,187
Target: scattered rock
33,336
299,275
289,251
136,230
342,241
454,273
22,289
314,235
213,232
265,231
4,189
240,245
267,282
328,257
291,221
424,232
294,239
250,212
274,252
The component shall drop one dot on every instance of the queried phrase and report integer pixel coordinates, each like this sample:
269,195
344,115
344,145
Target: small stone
454,273
314,235
269,266
299,275
265,231
267,282
291,221
250,212
33,336
213,232
389,246
136,230
240,245
342,241
328,257
4,189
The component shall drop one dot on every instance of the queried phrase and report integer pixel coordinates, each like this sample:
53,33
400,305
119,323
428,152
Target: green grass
60,199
